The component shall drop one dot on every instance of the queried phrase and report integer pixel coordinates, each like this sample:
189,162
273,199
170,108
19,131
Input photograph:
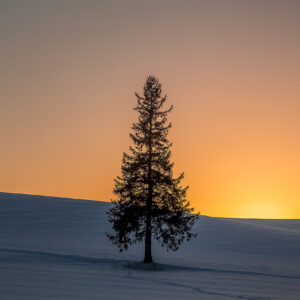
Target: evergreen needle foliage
151,202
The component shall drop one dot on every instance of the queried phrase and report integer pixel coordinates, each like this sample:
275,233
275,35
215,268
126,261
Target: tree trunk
148,236
148,251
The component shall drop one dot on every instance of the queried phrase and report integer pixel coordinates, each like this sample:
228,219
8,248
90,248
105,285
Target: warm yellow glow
261,209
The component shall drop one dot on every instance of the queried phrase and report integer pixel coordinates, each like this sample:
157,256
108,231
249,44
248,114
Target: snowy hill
56,248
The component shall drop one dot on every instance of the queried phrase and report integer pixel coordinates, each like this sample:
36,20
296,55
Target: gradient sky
69,70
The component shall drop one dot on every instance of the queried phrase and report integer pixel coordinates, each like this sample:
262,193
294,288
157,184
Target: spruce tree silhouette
151,203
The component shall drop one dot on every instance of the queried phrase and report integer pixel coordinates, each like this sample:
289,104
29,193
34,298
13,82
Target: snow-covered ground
55,248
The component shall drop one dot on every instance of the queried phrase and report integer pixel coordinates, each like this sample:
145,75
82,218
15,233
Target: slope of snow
55,248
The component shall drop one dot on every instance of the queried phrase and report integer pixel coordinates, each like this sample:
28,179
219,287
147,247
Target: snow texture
55,248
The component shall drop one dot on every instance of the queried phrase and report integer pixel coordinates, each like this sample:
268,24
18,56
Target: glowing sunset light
231,69
261,210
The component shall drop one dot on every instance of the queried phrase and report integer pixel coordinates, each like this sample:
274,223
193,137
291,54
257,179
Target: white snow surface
56,248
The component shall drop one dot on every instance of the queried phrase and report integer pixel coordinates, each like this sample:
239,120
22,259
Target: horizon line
203,215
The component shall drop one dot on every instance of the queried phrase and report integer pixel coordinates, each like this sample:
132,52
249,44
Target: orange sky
69,70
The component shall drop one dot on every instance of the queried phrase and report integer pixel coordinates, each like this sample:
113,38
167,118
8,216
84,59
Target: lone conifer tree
150,201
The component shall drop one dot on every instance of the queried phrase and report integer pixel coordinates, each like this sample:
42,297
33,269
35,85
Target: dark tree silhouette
150,201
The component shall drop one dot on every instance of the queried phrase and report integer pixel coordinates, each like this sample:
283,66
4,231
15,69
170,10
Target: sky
69,70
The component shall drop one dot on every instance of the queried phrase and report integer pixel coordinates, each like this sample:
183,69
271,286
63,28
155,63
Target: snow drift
56,248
